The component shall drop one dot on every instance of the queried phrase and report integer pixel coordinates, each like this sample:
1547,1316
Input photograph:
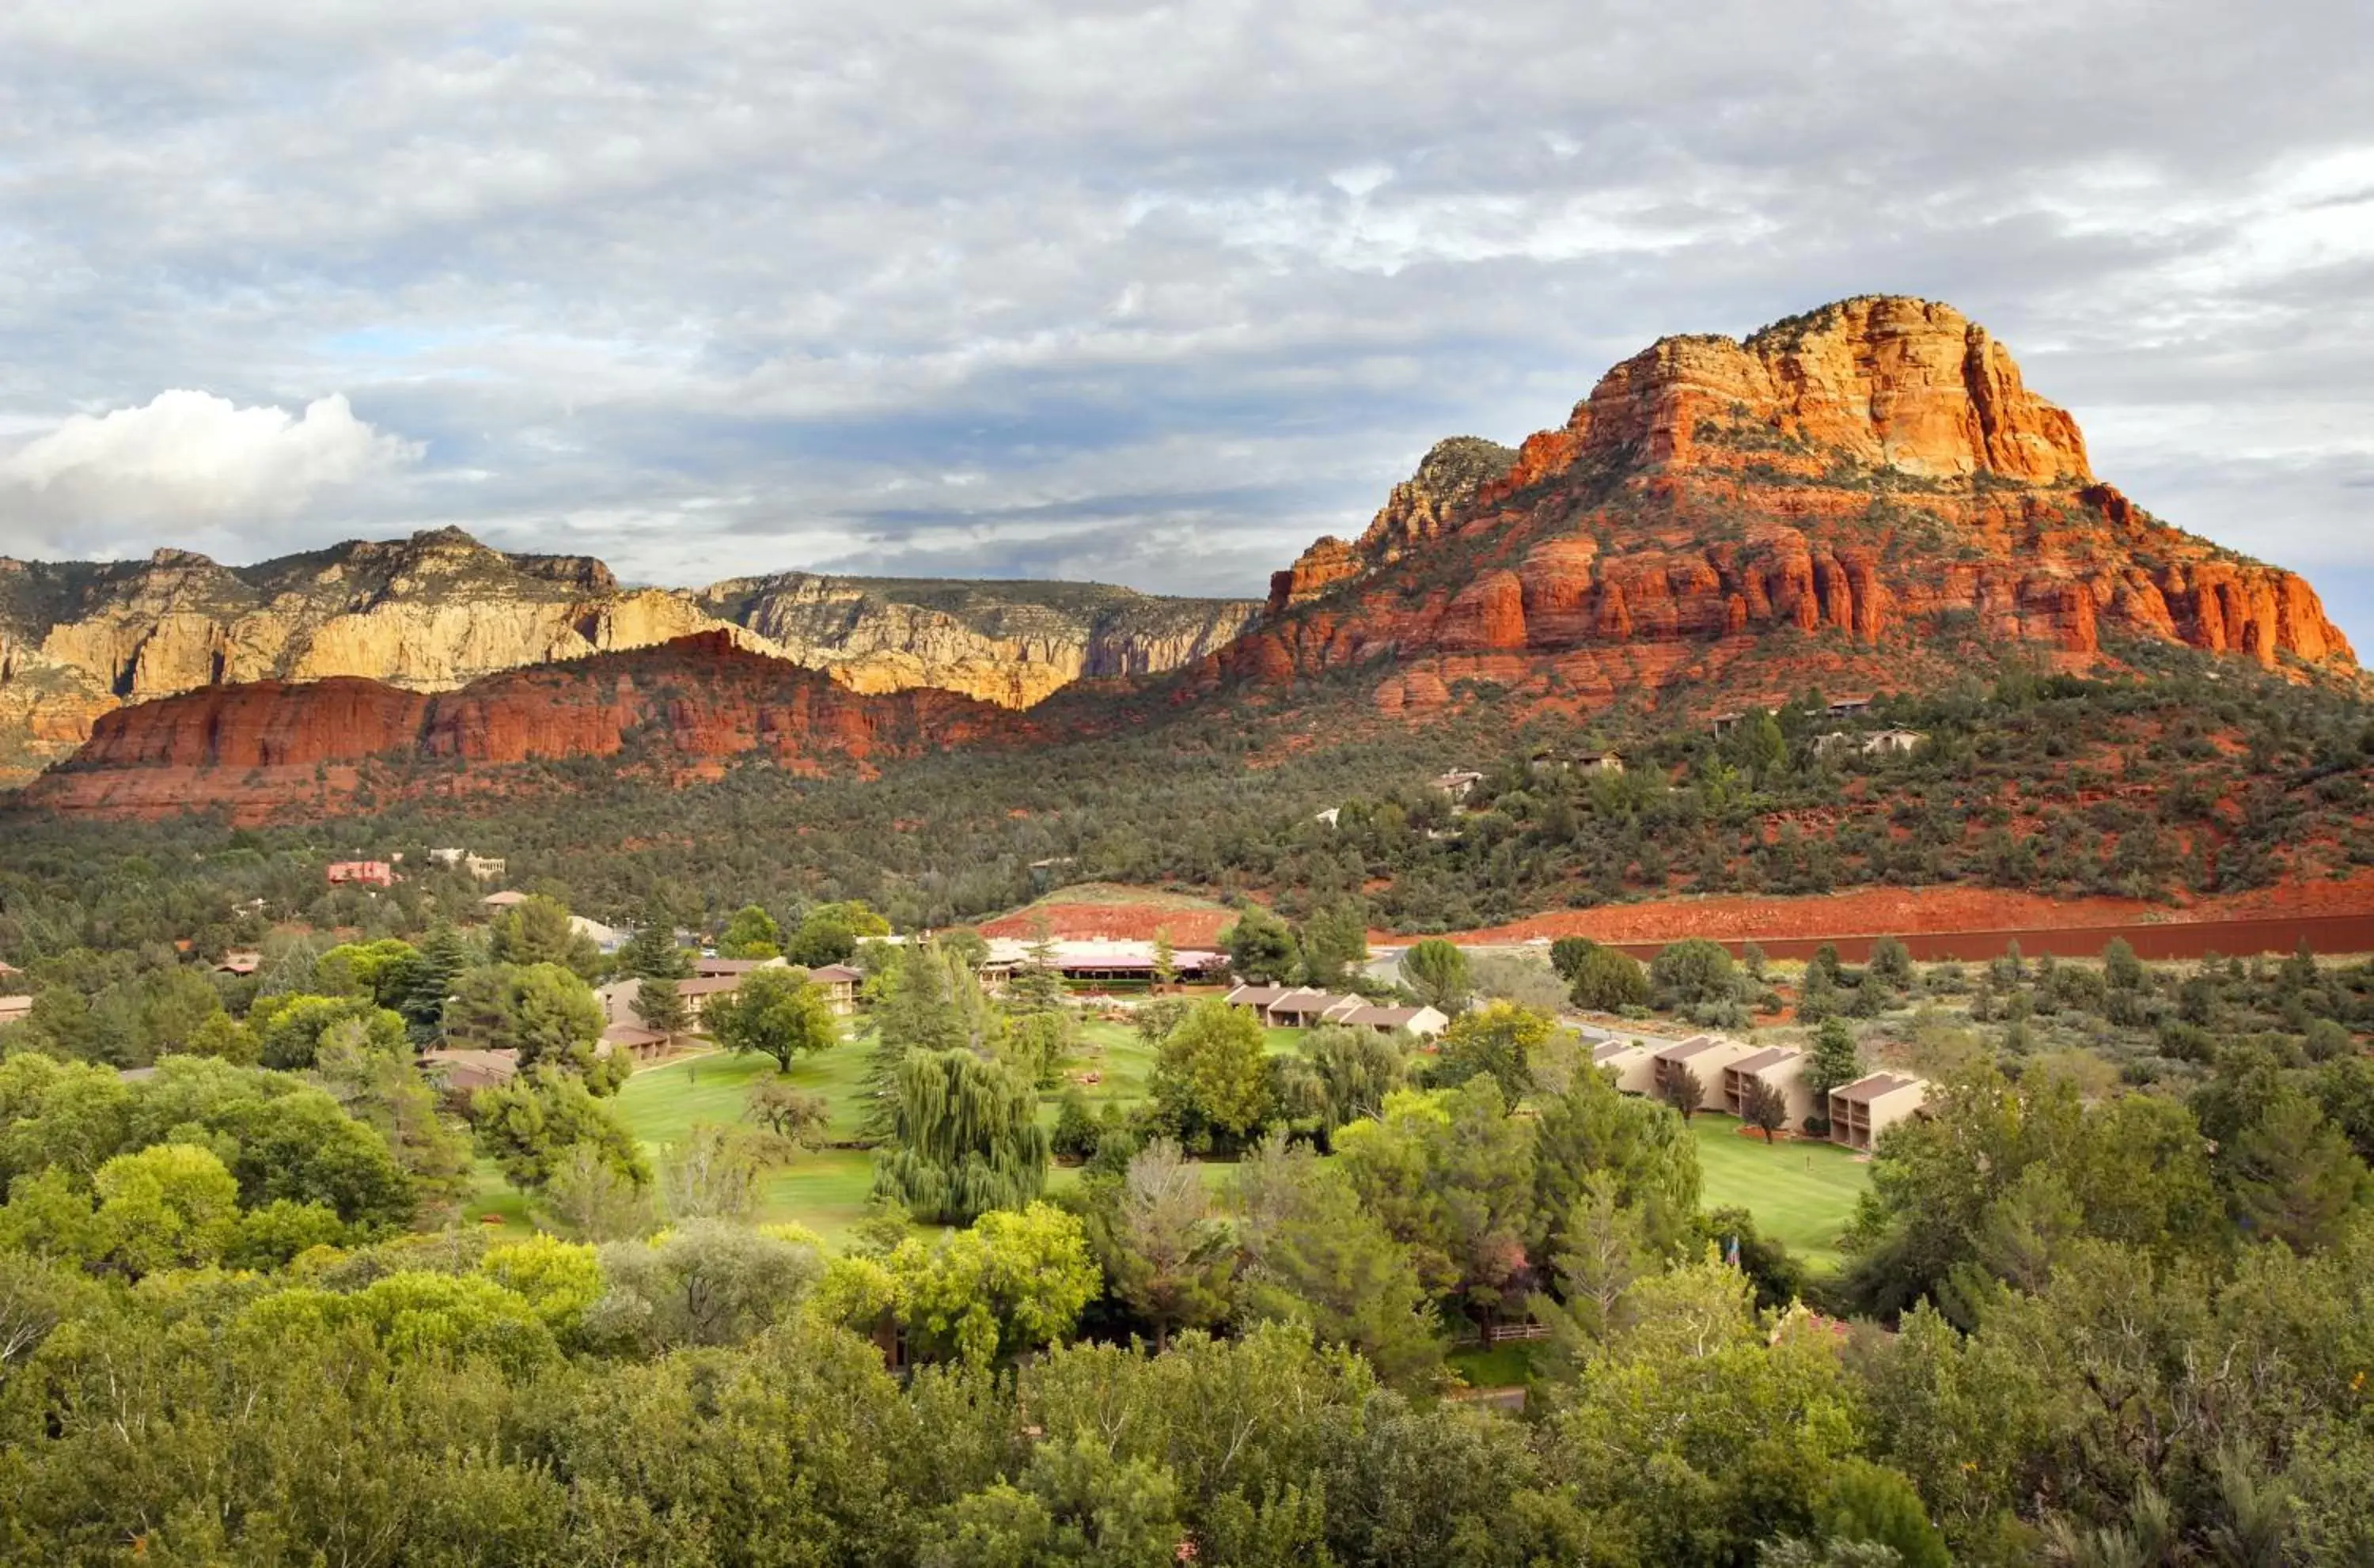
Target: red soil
1905,911
1115,922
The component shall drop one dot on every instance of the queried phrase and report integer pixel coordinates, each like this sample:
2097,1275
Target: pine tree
652,953
1038,983
442,959
660,1007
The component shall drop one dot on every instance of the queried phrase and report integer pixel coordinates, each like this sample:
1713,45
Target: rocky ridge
438,610
1866,491
682,708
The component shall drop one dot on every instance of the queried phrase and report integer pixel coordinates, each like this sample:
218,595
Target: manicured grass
1801,1193
1502,1366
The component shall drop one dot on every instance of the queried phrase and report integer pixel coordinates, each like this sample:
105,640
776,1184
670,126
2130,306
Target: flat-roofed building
1632,1062
1424,1023
1778,1068
1706,1055
1863,1110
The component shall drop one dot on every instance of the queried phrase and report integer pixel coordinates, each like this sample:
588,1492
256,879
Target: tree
1166,961
1567,955
1172,1263
542,1011
1260,947
374,1081
169,1206
965,1139
1076,1134
1764,1107
442,959
702,1282
1834,1064
1437,971
660,1006
541,930
1211,1077
795,1116
1682,1090
1345,1075
1450,1175
528,1126
384,971
1891,965
1608,980
2122,970
1641,1147
651,953
1037,985
1691,972
928,1000
1601,1254
1498,1039
1335,941
290,1027
589,1198
777,1012
828,933
712,1172
1016,1280
751,934
2295,1177
1313,1255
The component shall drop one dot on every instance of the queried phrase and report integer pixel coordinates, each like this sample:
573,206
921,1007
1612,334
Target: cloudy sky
1149,295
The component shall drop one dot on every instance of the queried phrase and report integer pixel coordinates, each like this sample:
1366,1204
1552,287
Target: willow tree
930,1001
965,1139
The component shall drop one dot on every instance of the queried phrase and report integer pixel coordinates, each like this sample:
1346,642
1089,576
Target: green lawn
1502,1366
1801,1194
825,1189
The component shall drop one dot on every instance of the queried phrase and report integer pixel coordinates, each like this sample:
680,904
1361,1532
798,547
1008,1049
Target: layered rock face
1013,644
263,749
1873,475
438,610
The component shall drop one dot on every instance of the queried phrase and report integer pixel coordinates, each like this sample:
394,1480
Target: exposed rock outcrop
438,610
263,749
1874,474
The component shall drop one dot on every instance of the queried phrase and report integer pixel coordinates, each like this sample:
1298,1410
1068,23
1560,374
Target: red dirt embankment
1934,922
1971,922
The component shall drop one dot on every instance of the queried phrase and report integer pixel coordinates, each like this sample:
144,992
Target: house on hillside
1778,1068
1458,783
1863,1110
510,898
1898,742
15,1009
1330,816
1632,1064
240,961
1848,706
1599,762
606,939
360,873
1706,1055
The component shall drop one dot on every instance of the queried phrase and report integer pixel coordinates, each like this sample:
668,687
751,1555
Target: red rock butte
680,707
1874,473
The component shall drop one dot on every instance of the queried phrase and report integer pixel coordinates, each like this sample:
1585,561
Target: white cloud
191,455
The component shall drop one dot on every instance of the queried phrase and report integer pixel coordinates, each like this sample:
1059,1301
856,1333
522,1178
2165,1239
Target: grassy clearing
1801,1193
1501,1366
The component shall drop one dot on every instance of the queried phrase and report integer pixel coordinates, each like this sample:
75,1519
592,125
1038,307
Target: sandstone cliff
265,749
1011,643
1868,491
438,610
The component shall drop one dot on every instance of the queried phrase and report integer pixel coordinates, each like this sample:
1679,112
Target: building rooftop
1877,1086
1771,1056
